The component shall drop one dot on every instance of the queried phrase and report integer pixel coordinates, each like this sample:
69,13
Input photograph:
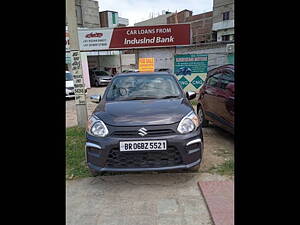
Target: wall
164,57
181,17
162,19
103,19
225,32
201,24
217,55
112,61
90,13
123,22
221,6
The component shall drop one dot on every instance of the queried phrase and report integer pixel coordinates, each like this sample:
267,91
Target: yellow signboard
146,64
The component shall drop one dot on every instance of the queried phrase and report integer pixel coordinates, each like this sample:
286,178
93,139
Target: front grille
143,159
150,133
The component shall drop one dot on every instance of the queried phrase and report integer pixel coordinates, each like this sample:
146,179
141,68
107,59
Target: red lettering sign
91,35
150,36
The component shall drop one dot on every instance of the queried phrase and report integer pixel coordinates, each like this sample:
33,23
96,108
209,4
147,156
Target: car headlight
188,123
96,127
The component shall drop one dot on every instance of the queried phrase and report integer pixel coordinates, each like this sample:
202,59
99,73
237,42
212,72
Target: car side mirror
95,98
191,95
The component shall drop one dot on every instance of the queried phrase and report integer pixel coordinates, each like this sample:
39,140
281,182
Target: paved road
138,199
146,198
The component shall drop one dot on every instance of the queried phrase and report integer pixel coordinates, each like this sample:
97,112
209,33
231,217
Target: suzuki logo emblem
142,131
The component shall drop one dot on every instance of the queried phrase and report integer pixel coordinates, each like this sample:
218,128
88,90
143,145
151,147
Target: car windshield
69,76
101,73
141,87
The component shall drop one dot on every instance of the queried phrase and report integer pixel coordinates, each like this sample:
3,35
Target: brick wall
201,24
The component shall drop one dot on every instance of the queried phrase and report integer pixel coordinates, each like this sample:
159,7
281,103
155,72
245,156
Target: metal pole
76,65
120,53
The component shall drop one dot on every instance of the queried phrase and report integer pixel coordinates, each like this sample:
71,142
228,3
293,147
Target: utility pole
76,66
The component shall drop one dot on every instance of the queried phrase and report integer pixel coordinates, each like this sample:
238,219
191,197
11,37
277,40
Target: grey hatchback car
144,122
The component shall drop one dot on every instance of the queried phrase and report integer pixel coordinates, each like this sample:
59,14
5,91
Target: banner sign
79,88
191,70
134,37
146,64
94,39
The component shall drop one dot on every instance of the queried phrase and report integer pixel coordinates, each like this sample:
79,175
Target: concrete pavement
139,199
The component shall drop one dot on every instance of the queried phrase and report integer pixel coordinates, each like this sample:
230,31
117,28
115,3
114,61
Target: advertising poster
146,64
191,70
134,37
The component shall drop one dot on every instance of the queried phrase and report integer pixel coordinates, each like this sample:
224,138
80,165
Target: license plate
126,146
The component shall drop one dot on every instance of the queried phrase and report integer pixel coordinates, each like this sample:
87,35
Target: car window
213,81
226,78
103,73
143,87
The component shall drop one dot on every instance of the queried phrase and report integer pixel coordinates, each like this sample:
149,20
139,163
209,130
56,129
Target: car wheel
195,168
94,173
96,84
204,122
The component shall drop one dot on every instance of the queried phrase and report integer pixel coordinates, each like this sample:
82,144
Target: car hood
69,83
143,112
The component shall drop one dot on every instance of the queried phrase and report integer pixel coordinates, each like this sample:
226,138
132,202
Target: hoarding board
191,70
134,37
79,88
146,64
151,36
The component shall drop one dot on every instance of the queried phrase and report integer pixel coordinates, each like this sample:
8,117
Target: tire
94,173
195,168
204,122
97,84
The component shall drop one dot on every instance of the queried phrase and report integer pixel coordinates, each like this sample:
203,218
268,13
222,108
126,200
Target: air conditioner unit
230,48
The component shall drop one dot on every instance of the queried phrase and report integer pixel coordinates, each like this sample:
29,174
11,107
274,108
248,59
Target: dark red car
216,98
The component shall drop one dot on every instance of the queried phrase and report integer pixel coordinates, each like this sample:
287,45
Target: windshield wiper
170,96
138,98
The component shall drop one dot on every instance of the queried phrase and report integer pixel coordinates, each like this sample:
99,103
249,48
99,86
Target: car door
225,99
209,95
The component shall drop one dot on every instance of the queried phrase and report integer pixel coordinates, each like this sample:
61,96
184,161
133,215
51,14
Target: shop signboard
79,88
146,64
134,37
94,39
191,70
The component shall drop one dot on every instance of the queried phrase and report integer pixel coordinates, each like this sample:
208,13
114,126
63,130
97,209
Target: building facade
123,22
159,20
111,19
223,20
179,17
201,24
87,13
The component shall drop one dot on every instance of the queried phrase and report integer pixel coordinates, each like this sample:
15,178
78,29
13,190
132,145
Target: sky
140,10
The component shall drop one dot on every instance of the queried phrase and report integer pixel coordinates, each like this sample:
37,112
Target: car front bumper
189,148
102,82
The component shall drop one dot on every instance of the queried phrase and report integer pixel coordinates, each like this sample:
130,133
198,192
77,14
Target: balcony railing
226,24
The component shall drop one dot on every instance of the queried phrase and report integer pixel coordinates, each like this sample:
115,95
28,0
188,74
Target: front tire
195,168
94,173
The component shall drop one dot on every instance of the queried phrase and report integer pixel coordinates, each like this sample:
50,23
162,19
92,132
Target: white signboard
98,39
79,87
